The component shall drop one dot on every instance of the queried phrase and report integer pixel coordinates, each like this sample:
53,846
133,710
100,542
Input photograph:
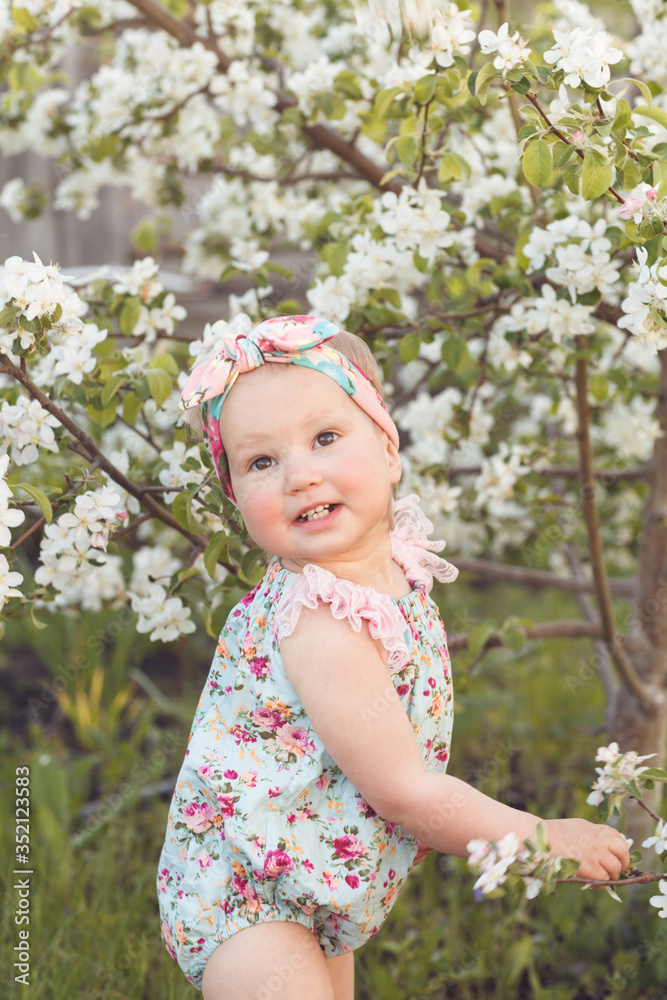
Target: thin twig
628,674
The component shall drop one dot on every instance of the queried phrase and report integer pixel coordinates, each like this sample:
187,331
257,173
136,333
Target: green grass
524,732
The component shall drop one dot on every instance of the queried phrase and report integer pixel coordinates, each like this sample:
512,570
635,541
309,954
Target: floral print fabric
263,825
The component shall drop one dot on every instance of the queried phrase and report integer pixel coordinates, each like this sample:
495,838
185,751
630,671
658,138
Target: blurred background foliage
101,718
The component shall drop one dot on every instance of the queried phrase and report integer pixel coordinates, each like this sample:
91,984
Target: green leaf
166,362
103,417
24,20
596,178
384,100
111,388
407,147
131,408
599,385
215,551
408,348
644,88
129,315
561,152
622,115
425,88
520,955
536,164
159,384
252,565
483,82
478,636
181,508
654,773
35,620
652,112
40,499
453,351
452,167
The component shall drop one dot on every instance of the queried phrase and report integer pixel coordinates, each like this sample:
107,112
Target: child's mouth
317,512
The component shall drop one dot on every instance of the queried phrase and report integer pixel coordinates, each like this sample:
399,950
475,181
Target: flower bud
629,208
578,136
651,194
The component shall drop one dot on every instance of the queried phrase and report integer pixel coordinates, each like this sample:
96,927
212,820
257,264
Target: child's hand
602,851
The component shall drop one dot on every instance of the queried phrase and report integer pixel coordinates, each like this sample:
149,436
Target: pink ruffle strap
347,600
413,550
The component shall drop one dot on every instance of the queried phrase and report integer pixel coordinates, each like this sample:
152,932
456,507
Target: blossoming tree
487,209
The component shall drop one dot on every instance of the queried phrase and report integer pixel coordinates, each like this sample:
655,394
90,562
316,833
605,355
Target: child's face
294,441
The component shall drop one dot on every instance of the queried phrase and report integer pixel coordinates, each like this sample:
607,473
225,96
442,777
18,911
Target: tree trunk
634,728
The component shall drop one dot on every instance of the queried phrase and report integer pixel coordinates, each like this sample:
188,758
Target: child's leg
341,970
280,960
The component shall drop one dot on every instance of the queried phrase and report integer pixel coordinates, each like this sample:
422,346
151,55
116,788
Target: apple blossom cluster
164,617
10,517
646,49
583,55
645,306
511,50
35,291
531,864
583,261
73,558
452,34
25,428
618,775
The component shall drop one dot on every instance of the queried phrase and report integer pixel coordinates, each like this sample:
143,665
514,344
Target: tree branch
93,453
653,543
521,575
558,629
628,674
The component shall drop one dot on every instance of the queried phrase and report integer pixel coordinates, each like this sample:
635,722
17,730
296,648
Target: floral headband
295,340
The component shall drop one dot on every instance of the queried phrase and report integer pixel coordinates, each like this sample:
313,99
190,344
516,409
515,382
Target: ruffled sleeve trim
413,550
347,600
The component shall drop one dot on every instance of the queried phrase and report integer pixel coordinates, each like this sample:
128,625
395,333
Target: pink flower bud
629,208
99,542
121,515
578,136
651,194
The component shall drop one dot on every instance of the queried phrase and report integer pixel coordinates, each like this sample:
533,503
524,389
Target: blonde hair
350,345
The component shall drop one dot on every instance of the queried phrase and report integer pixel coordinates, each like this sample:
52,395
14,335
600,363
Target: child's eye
326,437
261,463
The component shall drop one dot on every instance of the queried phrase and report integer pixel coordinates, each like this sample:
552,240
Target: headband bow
298,340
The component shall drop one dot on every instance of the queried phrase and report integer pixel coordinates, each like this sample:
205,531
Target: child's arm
342,681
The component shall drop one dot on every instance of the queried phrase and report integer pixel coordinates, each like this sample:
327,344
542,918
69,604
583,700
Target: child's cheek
261,512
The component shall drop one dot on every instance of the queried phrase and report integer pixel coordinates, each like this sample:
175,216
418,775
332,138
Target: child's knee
267,961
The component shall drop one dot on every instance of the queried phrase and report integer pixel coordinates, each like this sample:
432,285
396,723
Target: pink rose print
198,816
231,775
241,735
250,778
294,739
205,771
204,859
323,781
260,667
349,846
352,881
168,939
164,879
265,718
402,689
277,862
226,803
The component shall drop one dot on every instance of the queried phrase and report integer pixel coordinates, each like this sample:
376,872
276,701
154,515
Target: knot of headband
297,340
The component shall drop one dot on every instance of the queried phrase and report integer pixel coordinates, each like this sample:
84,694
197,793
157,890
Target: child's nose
301,474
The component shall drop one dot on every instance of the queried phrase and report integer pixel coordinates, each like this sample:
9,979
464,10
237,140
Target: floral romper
263,825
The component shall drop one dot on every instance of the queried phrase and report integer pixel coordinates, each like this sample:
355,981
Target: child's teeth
316,512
